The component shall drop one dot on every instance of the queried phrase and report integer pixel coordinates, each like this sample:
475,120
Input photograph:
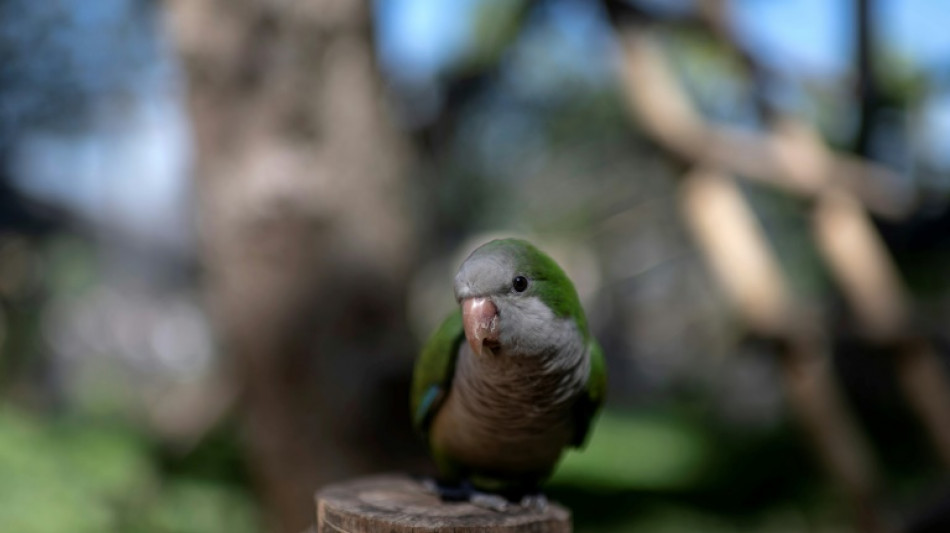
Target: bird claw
431,486
492,502
448,492
535,502
465,492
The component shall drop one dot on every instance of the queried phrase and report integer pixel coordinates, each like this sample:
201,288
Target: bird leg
464,491
487,500
536,501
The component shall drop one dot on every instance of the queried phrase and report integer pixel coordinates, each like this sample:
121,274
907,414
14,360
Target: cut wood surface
399,504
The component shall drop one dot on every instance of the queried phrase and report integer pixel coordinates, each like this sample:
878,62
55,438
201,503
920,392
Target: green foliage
66,477
644,452
72,266
496,25
78,475
193,506
681,470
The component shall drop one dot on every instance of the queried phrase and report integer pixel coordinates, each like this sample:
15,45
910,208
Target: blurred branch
868,92
924,381
793,157
729,236
868,276
790,157
775,157
815,398
861,266
875,294
733,244
854,248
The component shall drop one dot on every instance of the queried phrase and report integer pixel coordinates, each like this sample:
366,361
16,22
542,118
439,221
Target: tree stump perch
398,504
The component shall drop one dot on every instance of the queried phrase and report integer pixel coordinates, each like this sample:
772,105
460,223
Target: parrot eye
520,283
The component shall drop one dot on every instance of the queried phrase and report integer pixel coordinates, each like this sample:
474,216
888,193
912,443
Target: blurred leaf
72,266
644,452
496,26
79,476
104,461
190,506
56,480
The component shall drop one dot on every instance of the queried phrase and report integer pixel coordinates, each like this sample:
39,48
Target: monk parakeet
510,379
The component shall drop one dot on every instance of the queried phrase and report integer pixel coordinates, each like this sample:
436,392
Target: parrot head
515,299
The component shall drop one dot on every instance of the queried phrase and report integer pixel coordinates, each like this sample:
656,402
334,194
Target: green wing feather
596,391
433,372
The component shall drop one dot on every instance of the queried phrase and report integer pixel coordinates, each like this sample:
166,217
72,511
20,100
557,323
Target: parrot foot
536,502
431,486
465,492
486,500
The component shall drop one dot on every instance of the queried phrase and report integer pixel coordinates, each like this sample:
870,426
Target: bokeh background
226,227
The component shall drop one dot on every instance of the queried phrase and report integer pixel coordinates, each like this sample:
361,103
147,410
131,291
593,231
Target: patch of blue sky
417,38
114,161
100,12
567,51
918,28
937,132
813,37
581,32
818,36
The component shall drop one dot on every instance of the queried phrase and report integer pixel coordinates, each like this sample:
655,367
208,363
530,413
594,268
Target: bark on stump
398,504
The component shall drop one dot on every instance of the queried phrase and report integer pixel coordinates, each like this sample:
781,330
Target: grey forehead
483,274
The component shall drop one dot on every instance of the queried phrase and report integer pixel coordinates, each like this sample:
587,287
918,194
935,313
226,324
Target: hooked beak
480,320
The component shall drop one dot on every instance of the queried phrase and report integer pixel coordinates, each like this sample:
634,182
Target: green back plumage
433,372
596,389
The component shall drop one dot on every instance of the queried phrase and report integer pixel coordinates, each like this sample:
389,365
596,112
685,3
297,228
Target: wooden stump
398,504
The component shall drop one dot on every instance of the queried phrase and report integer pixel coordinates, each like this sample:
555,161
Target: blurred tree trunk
306,236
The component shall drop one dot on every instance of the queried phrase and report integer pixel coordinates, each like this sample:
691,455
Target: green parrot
509,380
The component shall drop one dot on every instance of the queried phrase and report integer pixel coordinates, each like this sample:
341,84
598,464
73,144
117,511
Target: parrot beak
480,320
